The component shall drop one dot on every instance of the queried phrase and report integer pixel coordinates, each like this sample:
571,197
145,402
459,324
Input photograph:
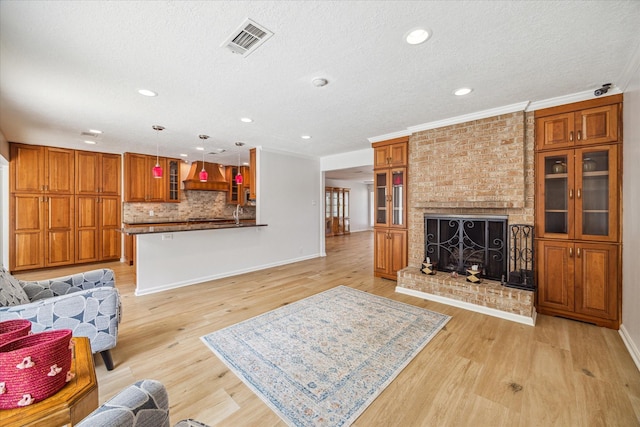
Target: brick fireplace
481,167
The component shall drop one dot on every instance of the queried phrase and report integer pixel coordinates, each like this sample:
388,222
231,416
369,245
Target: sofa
87,303
143,404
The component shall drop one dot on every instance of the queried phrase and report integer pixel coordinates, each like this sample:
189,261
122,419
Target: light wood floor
478,371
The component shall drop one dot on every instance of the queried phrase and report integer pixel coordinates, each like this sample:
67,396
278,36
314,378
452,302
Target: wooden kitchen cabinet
54,209
38,169
238,192
97,228
578,212
41,231
595,122
252,174
390,207
141,186
98,173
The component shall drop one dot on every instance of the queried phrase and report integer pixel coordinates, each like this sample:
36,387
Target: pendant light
203,175
239,178
157,170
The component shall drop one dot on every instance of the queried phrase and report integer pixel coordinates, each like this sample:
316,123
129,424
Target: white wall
289,201
351,159
290,197
630,329
358,202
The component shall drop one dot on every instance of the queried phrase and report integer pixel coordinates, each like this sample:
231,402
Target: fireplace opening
458,243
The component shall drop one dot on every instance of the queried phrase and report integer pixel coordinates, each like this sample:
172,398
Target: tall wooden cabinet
336,208
390,203
50,189
41,230
578,220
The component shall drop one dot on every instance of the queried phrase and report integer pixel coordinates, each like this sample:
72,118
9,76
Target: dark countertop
156,220
182,226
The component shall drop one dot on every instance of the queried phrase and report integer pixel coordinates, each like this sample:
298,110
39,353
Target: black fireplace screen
457,243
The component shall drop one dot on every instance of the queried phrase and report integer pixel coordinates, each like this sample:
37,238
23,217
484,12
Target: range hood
215,181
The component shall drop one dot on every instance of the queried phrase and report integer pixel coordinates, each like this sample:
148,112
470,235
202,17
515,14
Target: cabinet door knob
578,194
571,193
570,252
571,136
578,252
579,135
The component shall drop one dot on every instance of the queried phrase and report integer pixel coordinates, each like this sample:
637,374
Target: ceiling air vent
247,38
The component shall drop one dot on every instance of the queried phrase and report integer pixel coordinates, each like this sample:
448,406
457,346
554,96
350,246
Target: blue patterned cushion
11,293
143,404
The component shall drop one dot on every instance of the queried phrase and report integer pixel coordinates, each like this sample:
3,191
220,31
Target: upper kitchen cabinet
98,173
38,169
252,174
142,186
391,153
586,123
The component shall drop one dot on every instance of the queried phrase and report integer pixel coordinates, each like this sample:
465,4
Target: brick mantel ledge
468,205
488,297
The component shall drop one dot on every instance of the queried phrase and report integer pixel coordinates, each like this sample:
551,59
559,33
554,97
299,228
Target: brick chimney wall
482,167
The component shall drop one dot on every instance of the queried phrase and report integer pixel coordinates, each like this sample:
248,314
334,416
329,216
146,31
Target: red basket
12,329
34,367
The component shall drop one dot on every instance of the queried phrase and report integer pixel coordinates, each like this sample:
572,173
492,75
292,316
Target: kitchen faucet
236,214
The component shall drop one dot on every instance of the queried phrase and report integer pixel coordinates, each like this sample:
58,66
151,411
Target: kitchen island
178,254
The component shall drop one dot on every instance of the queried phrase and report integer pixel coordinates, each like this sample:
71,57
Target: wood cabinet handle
570,252
578,194
579,135
578,252
571,193
571,136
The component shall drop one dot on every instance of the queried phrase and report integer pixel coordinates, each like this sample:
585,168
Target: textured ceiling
68,66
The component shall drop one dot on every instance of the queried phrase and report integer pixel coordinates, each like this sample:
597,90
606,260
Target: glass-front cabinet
336,211
174,180
579,193
390,197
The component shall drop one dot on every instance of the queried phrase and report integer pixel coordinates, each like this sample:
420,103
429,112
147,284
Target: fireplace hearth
457,243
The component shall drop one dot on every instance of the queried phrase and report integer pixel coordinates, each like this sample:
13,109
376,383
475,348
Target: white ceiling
70,66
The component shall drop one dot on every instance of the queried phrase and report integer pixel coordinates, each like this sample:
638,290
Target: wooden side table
77,399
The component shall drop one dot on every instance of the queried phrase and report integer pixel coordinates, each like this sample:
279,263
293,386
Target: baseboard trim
530,321
631,346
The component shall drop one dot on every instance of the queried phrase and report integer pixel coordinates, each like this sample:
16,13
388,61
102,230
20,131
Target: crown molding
507,109
568,99
387,136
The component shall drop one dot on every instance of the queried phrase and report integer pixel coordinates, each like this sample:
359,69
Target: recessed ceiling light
417,36
463,91
200,148
147,92
90,142
95,131
246,120
306,137
184,155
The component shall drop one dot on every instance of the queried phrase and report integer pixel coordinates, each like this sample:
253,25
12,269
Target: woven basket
12,329
34,367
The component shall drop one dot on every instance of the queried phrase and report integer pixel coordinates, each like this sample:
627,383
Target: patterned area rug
322,360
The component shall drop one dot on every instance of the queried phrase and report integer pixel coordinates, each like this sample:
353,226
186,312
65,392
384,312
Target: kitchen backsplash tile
193,204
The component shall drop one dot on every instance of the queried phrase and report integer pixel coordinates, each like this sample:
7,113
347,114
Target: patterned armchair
143,404
87,303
